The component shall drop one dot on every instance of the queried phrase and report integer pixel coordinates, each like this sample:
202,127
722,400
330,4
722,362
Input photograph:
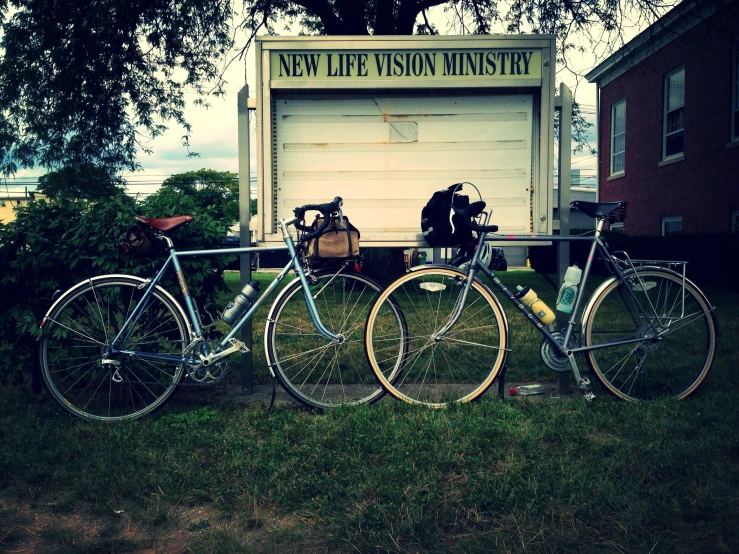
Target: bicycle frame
229,344
597,245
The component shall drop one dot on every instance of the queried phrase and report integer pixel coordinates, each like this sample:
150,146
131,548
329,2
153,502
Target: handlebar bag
338,241
442,222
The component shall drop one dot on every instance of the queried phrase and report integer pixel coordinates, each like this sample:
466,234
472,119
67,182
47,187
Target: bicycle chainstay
190,369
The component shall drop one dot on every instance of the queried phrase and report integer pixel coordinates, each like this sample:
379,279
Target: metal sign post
247,374
564,104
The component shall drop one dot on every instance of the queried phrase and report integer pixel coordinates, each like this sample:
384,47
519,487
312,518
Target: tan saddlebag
338,241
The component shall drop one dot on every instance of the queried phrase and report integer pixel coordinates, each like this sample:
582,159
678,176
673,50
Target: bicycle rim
429,370
676,361
79,373
317,371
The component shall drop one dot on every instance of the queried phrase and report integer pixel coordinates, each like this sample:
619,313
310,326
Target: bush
54,244
712,258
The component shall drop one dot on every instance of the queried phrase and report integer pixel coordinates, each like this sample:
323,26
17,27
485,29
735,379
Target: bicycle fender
92,281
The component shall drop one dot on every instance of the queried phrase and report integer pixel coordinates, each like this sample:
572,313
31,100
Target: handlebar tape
326,209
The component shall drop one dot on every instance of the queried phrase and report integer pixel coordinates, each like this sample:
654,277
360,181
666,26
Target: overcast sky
214,132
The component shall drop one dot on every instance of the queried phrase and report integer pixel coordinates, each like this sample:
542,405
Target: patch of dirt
57,524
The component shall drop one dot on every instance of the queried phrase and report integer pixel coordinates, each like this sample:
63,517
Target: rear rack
625,263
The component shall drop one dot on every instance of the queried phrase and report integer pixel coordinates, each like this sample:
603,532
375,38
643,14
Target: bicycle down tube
194,316
596,246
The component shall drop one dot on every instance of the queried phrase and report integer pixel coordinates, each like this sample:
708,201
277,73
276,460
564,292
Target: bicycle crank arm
583,383
236,346
584,386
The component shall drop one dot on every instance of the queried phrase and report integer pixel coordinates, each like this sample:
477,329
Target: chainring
209,374
553,359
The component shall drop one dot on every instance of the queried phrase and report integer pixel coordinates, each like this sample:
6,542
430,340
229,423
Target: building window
617,227
674,113
735,94
618,137
735,221
672,225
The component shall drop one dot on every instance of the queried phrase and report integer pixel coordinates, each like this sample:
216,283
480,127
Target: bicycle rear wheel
423,369
317,371
76,365
675,361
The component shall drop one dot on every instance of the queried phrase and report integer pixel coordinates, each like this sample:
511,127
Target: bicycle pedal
589,397
240,346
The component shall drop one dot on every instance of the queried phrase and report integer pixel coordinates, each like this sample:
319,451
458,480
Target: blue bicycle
116,347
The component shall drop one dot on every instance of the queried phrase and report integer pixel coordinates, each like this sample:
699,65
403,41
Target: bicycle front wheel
77,366
423,367
677,325
317,371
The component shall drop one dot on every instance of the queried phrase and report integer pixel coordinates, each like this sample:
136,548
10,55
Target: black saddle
597,209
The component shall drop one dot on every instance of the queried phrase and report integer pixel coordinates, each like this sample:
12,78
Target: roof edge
659,34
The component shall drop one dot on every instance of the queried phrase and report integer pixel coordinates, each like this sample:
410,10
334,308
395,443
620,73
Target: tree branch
321,9
431,30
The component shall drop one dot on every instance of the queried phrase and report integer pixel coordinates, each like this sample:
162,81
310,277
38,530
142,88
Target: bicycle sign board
386,122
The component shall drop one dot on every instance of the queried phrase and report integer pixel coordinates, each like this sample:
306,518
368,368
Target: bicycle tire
672,366
297,352
437,373
76,333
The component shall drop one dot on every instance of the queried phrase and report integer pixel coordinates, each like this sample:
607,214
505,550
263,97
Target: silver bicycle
647,331
116,347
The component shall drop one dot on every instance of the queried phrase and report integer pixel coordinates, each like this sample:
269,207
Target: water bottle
538,307
568,292
238,306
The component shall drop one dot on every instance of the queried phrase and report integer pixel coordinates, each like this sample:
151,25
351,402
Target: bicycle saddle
165,223
597,209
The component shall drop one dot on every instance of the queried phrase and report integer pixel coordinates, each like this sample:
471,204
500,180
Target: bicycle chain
203,384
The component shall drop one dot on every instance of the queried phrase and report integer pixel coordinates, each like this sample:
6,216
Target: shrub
54,244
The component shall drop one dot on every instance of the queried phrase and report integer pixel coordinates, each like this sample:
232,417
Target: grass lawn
514,476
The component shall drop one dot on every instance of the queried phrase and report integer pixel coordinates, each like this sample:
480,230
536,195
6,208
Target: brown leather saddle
165,224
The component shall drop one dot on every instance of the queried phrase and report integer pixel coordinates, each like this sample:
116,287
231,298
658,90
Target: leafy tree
213,192
55,243
84,81
86,182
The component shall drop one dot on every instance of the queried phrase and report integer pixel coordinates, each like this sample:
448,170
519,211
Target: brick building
668,122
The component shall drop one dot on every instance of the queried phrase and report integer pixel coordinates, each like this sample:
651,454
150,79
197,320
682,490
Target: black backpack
442,220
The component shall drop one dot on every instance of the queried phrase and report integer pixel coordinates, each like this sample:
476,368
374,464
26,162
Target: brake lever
341,216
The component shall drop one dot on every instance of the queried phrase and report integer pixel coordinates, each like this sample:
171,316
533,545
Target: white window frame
675,219
665,114
735,92
613,137
617,227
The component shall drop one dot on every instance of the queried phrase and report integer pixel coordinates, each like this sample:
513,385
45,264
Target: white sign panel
386,155
385,122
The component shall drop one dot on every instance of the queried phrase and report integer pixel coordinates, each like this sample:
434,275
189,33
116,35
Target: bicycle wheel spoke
319,371
427,366
677,328
76,365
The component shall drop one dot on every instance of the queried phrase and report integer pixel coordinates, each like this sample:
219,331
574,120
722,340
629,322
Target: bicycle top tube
491,237
296,265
